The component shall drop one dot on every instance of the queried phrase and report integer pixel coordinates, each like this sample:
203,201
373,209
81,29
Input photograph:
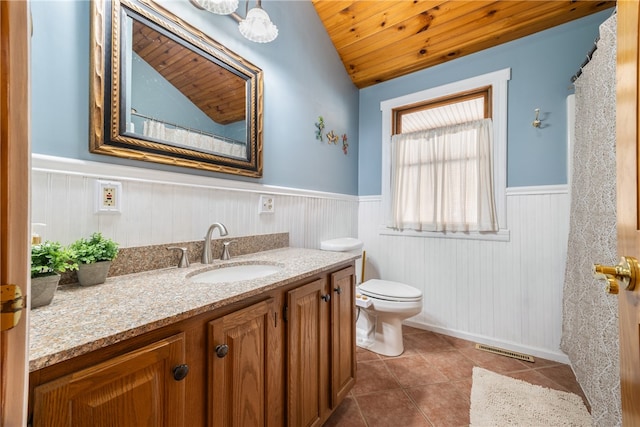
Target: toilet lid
388,290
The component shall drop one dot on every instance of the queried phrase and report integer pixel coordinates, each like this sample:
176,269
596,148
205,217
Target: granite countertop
82,319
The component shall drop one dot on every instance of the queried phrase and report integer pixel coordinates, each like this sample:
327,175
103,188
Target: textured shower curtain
590,316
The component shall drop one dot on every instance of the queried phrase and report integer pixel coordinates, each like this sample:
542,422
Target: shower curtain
590,316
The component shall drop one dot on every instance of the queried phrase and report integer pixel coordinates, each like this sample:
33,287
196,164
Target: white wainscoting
507,294
163,207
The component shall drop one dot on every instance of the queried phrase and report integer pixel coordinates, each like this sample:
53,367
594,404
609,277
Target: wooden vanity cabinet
320,347
135,389
284,357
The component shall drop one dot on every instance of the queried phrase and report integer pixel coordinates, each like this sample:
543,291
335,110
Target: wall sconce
256,26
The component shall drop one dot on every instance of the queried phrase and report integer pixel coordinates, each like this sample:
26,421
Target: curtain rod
586,61
590,54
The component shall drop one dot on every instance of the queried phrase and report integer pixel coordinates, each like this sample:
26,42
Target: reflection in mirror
206,102
175,96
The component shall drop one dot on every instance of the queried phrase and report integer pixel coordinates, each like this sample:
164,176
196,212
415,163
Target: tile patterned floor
430,383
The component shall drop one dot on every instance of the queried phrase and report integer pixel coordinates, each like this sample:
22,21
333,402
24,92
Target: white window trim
498,80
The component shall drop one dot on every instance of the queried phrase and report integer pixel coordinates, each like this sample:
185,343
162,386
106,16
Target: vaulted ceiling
379,40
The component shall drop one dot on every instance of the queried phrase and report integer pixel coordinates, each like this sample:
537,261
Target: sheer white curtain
442,179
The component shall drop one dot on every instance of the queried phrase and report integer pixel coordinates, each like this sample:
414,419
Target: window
444,160
450,110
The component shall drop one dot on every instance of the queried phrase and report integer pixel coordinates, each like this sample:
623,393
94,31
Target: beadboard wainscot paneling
502,293
162,207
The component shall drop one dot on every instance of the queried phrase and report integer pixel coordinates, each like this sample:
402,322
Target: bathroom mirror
163,91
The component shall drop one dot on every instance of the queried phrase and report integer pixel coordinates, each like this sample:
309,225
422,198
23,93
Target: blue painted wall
303,79
541,67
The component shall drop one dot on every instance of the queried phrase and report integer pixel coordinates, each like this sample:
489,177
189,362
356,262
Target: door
143,388
239,360
627,151
14,203
343,334
307,353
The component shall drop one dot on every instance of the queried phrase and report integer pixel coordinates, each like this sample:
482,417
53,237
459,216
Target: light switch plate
108,196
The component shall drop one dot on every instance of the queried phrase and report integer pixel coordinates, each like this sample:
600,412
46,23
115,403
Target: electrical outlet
267,204
108,196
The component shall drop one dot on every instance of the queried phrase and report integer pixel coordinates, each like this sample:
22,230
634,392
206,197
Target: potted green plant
48,260
94,256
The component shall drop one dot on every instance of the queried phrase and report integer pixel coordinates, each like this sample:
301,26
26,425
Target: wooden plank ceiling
379,40
219,93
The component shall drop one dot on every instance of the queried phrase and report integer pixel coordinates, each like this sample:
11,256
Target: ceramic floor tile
411,330
347,415
373,376
443,404
563,375
451,363
426,342
493,362
430,383
390,408
457,342
414,370
364,355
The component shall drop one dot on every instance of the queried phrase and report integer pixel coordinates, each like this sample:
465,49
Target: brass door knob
11,305
627,272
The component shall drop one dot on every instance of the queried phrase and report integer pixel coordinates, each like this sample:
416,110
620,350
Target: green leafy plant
94,249
49,258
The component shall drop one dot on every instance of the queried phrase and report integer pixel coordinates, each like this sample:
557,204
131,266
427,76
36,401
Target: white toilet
382,306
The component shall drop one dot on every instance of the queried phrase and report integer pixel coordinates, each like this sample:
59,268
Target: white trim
482,339
365,199
68,166
502,235
499,82
537,190
571,136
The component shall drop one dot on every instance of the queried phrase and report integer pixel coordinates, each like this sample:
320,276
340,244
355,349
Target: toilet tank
342,244
346,244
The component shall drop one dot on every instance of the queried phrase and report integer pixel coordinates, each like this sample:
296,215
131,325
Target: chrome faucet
206,251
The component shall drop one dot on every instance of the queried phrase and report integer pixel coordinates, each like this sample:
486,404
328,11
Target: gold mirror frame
109,131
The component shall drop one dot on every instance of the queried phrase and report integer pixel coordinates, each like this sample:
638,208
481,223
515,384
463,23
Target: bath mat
497,400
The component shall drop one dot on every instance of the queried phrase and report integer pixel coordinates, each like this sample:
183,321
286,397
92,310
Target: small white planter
94,273
42,290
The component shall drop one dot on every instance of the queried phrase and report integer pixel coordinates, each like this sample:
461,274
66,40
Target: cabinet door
343,334
307,327
238,366
136,389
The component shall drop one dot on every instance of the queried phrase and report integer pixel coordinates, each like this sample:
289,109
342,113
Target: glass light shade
257,26
219,7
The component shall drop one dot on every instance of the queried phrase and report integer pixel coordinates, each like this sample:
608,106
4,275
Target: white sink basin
236,273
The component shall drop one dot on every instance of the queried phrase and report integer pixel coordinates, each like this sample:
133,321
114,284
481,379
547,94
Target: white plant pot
94,273
42,289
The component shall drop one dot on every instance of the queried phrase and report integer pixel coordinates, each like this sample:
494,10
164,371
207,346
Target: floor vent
508,353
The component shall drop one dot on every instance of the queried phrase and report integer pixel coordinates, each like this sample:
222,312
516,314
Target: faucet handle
184,258
225,250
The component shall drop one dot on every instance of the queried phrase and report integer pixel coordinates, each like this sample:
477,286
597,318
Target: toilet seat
390,291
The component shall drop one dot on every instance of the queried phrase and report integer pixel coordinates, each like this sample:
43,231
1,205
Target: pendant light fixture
256,26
